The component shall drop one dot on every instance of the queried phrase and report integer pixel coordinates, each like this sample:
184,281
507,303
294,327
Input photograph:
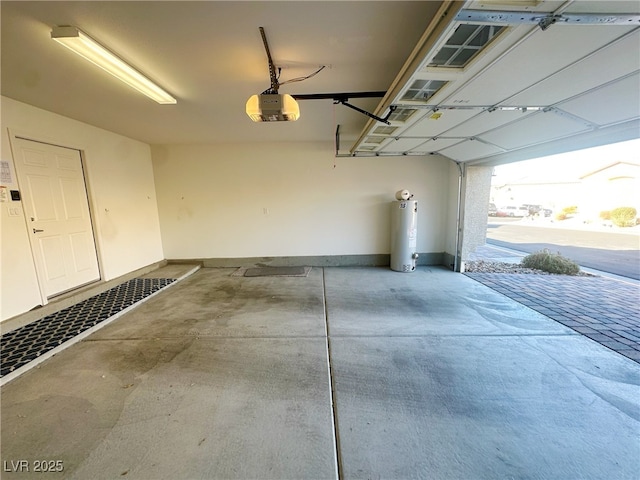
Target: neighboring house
609,187
616,185
553,195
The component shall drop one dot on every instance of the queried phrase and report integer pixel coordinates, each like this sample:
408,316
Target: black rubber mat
276,272
24,344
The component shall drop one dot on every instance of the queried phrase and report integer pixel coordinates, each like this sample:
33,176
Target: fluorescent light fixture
86,47
272,107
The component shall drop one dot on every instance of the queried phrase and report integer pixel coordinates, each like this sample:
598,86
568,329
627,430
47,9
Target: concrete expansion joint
332,387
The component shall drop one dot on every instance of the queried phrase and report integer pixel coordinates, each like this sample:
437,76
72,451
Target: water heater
404,232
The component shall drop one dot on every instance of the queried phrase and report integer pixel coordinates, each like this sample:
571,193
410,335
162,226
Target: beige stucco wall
290,199
476,206
221,201
610,188
468,186
121,194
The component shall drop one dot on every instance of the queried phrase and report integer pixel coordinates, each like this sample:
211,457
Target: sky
568,166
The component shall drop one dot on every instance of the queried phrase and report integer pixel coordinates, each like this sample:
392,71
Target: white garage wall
121,191
290,199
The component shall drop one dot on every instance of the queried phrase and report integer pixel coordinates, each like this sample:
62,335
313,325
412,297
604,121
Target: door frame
23,135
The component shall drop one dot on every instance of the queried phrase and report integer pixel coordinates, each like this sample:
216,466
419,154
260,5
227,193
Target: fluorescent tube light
86,47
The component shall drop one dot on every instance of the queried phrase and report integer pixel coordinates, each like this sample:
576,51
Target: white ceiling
210,56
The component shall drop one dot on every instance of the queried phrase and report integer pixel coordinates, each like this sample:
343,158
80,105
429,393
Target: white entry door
56,207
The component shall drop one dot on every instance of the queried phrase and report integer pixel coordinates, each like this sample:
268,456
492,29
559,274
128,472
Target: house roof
627,169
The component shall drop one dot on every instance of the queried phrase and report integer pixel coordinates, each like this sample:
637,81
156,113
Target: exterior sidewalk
603,308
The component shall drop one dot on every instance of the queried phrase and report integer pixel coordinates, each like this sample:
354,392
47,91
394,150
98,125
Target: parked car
502,212
532,209
523,212
493,210
513,211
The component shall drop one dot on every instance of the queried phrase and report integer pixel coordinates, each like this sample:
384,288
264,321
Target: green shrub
605,215
566,212
624,216
551,262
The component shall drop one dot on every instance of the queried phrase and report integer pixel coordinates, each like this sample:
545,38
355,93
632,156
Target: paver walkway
601,308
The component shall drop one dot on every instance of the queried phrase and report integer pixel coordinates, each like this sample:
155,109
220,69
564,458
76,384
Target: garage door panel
470,149
616,102
577,42
439,122
534,129
611,63
487,121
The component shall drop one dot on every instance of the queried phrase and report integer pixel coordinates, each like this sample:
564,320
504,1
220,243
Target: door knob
35,230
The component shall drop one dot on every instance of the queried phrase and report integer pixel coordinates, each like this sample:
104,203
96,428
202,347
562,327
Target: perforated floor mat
25,344
275,272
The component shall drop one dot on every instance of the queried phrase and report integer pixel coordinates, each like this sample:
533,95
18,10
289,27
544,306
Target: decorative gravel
483,266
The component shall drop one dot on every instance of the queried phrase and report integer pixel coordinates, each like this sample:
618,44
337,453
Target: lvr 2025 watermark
41,466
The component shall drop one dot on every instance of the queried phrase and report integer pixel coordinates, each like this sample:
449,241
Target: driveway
602,307
612,251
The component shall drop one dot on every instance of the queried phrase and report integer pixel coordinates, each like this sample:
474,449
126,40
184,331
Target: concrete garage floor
422,375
